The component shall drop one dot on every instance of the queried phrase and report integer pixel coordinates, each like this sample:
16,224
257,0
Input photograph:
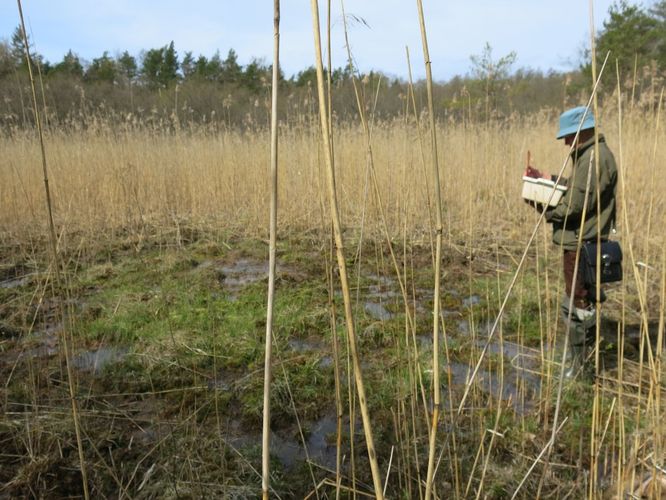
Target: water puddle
96,360
522,380
305,345
382,281
39,344
15,282
425,341
223,381
243,272
377,311
384,288
287,447
325,362
14,277
472,300
519,389
458,372
463,327
47,340
519,356
43,351
632,332
238,274
448,313
320,442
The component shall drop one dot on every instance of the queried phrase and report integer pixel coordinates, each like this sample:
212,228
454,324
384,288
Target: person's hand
531,171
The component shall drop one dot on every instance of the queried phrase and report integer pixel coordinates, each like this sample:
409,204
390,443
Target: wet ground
379,299
521,381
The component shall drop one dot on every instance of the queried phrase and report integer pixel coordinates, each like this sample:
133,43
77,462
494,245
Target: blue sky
544,34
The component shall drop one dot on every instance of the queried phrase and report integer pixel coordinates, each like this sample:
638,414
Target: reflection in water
472,300
287,446
95,360
378,311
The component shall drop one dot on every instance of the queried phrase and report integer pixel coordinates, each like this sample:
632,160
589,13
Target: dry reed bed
98,173
105,179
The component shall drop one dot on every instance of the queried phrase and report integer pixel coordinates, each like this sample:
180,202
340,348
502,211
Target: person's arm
572,202
538,174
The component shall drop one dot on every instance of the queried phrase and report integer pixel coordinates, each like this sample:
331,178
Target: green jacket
566,216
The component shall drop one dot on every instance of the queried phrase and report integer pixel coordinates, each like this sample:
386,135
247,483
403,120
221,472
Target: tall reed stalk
339,414
266,435
596,411
417,377
55,264
438,262
342,266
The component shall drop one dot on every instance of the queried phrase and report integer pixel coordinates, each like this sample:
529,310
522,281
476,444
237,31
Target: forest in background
161,85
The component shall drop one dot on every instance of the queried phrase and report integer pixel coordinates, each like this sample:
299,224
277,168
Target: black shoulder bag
611,262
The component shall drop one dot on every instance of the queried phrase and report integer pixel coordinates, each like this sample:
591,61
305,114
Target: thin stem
61,285
342,265
438,261
265,457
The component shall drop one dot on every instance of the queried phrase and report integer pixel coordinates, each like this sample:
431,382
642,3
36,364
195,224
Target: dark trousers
580,293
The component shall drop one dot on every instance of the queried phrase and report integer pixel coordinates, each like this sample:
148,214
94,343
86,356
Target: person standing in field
568,224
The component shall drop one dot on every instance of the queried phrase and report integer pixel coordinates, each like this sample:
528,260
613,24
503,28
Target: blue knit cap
571,119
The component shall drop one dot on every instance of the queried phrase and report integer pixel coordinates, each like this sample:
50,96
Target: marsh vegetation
162,240
414,304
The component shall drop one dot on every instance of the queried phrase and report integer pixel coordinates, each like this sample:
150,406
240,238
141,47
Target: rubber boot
580,322
586,316
577,354
575,361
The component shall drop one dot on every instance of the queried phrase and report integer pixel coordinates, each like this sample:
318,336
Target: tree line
160,85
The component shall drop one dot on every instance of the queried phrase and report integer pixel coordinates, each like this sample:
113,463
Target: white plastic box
539,190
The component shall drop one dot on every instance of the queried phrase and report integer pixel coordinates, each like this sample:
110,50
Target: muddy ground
165,347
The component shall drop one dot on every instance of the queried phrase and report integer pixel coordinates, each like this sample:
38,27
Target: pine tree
169,70
17,51
70,65
658,12
214,68
160,67
6,60
127,67
17,47
232,71
102,69
187,66
631,36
